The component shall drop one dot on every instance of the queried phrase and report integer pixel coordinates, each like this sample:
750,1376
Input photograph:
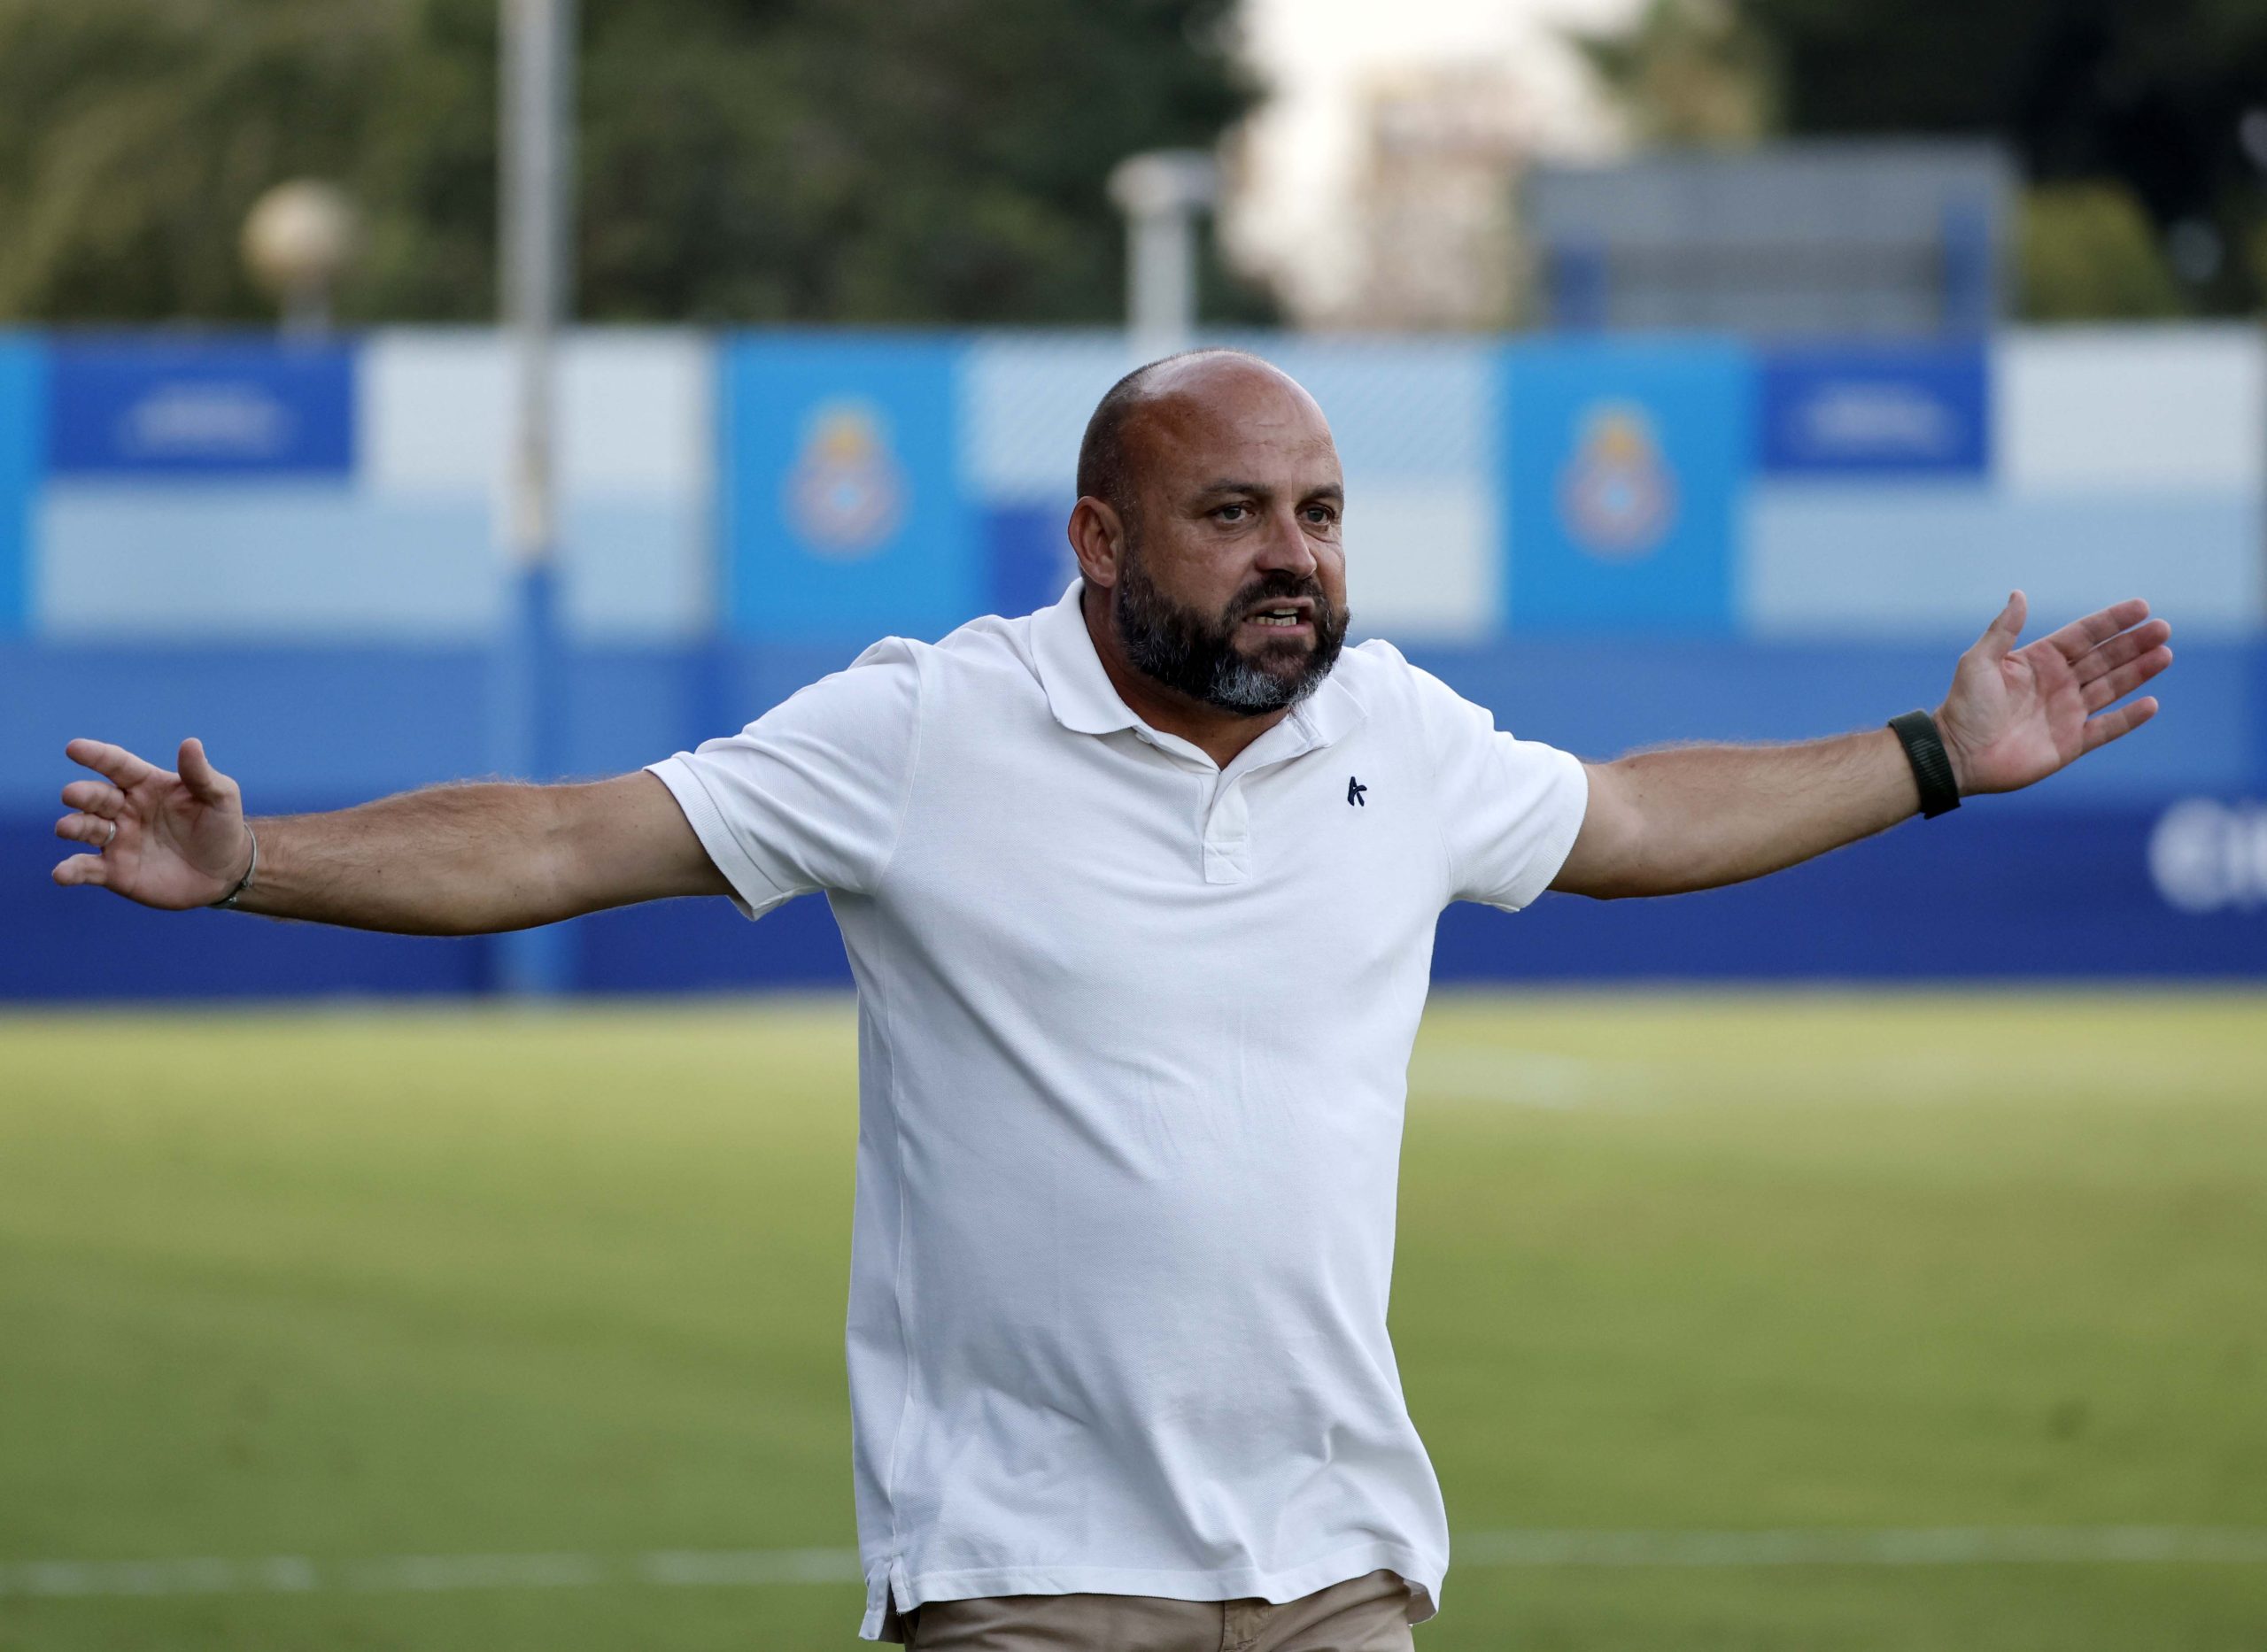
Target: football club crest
845,494
1617,496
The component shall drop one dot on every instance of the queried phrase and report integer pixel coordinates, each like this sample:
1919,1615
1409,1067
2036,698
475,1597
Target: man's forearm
1704,815
457,860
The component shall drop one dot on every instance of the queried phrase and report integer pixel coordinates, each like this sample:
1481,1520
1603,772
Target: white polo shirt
1132,1035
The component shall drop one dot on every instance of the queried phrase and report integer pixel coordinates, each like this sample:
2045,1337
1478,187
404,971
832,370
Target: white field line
1472,1072
1924,1546
1455,1071
1916,1546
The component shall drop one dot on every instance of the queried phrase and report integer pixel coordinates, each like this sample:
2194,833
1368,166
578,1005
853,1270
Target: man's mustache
1275,588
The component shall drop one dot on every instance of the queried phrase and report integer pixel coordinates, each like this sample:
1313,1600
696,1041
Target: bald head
1207,533
1204,388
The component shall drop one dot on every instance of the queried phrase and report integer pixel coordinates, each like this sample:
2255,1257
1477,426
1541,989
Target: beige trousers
1361,1614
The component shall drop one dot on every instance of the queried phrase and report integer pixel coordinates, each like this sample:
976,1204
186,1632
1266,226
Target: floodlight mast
297,240
539,47
1161,192
535,107
2251,136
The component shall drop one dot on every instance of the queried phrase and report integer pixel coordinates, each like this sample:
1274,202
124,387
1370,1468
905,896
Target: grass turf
361,1284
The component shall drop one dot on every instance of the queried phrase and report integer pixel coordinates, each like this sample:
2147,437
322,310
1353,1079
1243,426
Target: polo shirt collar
1084,700
1078,690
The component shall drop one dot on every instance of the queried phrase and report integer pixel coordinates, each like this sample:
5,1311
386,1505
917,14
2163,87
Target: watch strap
1924,749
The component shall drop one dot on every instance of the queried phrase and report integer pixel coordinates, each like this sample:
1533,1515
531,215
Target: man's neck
1220,735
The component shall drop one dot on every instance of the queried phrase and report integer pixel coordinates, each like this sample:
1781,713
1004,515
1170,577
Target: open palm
2015,716
163,839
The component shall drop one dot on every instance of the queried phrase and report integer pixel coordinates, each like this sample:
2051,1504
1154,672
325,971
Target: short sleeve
1509,809
811,795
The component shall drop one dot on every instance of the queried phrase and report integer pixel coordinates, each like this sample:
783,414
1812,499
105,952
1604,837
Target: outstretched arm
458,859
1664,823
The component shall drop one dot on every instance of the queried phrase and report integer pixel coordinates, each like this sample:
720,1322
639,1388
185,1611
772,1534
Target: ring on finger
113,835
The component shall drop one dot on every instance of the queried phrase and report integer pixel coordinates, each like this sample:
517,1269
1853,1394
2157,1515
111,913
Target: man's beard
1198,657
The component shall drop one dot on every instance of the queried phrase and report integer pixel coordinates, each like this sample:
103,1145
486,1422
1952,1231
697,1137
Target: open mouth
1282,616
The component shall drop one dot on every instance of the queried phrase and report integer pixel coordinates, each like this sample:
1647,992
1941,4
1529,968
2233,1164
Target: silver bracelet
228,902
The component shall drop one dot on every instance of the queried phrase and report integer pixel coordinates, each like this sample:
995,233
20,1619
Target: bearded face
1197,654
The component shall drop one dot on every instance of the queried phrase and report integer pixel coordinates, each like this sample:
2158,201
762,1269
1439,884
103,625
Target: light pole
2251,137
535,109
298,239
1161,192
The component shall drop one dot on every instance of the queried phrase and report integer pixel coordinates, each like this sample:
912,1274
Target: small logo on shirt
1354,790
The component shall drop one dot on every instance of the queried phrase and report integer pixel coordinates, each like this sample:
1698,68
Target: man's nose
1287,546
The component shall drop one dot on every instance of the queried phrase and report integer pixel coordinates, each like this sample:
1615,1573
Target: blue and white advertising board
1625,466
1976,895
23,402
1881,411
843,514
236,410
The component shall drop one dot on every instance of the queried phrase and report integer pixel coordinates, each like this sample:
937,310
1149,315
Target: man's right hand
454,859
165,839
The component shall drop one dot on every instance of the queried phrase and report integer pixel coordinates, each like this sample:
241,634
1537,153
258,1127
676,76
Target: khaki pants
1361,1614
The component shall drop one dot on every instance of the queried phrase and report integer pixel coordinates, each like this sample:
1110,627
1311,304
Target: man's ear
1098,538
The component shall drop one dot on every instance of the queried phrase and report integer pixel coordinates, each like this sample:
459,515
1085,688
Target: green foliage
2145,93
1688,71
454,1282
827,161
2089,253
135,136
867,160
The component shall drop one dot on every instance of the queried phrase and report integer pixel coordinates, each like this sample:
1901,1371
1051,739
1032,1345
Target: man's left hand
2016,715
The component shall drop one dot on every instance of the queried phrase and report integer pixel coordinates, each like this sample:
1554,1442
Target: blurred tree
2089,253
1688,71
819,160
135,136
2150,94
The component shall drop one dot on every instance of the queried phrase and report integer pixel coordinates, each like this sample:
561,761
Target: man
1140,894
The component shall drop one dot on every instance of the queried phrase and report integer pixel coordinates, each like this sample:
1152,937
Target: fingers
95,796
114,764
2124,646
2115,685
2113,725
87,829
206,784
1999,635
82,868
2081,637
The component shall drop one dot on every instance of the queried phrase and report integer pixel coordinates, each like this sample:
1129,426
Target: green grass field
356,1285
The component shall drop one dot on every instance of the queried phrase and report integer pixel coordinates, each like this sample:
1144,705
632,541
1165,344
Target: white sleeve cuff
755,891
1568,801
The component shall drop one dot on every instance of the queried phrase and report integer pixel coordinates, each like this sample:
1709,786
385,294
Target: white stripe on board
1920,1546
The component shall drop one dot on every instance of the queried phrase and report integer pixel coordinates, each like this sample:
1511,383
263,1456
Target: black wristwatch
1924,749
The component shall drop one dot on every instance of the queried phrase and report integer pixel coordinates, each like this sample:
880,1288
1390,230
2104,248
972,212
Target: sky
1315,56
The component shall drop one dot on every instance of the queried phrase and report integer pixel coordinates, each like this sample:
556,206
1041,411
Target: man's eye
1321,516
1232,512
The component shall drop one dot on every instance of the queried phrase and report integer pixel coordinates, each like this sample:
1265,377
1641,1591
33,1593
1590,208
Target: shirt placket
1227,833
1224,816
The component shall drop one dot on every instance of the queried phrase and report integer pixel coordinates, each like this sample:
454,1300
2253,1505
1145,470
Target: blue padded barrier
2045,895
2050,884
1983,894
